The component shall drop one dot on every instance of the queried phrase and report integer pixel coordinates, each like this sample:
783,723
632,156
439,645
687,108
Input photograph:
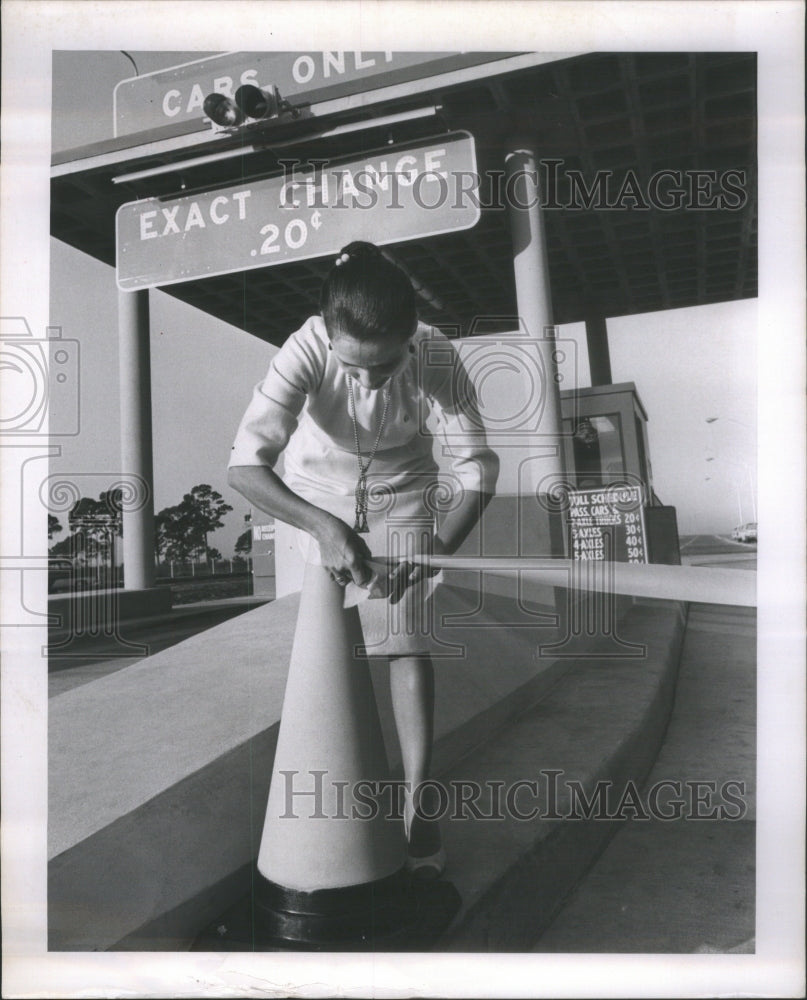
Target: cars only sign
176,95
400,193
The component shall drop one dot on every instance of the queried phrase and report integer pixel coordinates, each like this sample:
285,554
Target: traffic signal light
223,110
257,103
250,103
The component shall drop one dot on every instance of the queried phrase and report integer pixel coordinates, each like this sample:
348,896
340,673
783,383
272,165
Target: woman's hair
367,297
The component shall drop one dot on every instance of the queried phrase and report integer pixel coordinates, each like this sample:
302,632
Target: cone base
397,913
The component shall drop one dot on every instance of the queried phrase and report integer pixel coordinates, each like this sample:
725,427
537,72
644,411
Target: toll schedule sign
607,523
312,210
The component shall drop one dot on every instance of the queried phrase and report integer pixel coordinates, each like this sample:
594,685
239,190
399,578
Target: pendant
360,524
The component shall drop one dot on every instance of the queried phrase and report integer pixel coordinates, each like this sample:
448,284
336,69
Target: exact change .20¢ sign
394,195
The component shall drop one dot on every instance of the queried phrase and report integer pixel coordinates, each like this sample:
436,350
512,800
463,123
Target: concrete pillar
599,357
531,269
136,445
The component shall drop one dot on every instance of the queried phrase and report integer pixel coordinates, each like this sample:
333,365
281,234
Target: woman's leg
412,685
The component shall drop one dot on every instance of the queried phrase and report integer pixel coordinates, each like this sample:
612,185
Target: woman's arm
341,549
265,430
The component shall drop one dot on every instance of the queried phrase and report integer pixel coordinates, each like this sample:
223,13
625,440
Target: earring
411,348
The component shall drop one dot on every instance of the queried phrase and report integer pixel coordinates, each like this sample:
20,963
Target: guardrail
175,569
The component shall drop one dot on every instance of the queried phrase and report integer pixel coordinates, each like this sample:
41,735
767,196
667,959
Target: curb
604,720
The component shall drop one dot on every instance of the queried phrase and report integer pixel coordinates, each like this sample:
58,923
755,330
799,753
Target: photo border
30,32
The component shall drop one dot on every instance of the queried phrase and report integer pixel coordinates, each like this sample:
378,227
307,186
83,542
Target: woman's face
370,363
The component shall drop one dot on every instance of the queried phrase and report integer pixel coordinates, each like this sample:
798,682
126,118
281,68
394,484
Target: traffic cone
331,865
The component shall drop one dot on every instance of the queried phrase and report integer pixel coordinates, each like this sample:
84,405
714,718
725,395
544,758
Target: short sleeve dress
302,409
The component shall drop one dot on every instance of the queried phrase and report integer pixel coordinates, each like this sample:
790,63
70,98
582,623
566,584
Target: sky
688,364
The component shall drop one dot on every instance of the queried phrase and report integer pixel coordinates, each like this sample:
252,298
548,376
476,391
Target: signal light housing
250,103
258,104
223,110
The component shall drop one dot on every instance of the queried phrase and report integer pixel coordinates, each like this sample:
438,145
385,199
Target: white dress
302,410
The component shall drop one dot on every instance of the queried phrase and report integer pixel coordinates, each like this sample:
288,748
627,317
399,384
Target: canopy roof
631,115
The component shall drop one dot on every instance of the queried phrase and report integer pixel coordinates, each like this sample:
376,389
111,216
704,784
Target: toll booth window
597,449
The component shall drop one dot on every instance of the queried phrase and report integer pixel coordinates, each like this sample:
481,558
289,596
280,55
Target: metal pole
136,444
751,490
739,504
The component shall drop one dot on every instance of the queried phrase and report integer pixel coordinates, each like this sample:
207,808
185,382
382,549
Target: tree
243,547
182,530
170,534
97,523
73,546
176,534
54,527
209,510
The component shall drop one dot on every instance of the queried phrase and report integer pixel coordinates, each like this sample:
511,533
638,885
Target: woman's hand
343,553
407,574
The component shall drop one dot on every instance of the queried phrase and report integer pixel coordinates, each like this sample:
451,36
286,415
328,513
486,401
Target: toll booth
613,509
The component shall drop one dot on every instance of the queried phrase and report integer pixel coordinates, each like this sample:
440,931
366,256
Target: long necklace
361,486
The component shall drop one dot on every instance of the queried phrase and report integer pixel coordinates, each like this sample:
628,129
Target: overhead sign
607,524
176,95
400,193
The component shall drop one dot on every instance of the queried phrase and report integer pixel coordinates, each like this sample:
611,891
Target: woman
346,401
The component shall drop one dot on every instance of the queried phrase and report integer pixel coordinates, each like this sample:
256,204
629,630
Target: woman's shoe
427,866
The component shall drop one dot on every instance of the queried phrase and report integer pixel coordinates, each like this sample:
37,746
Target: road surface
85,659
685,885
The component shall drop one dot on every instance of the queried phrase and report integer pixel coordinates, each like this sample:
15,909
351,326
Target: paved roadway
85,659
686,885
718,550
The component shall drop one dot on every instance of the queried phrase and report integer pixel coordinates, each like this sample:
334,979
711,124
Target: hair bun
365,295
359,249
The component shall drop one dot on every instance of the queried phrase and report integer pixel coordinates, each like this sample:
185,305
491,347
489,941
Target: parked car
745,532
